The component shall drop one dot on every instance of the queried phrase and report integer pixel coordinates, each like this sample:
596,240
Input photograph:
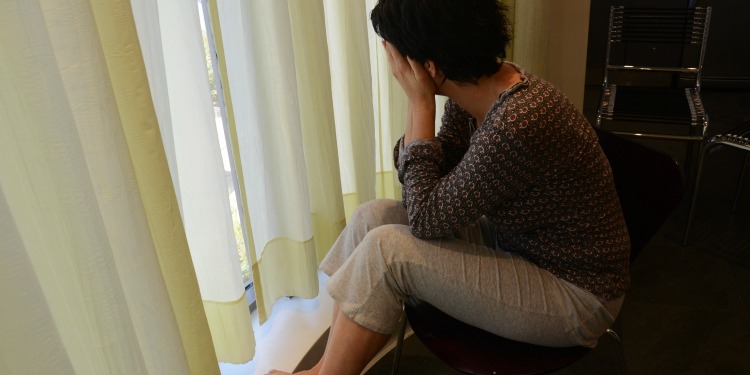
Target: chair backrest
649,185
657,40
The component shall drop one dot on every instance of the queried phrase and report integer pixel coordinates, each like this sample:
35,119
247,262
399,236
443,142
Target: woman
510,220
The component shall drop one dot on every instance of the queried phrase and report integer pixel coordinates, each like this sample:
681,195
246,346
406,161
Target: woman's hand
411,75
420,88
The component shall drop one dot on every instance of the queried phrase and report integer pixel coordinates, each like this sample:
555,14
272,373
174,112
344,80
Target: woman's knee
377,212
389,244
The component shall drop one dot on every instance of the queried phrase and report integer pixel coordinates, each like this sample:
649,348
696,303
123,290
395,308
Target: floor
286,337
688,310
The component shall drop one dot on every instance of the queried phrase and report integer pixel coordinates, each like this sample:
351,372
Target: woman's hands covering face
416,81
420,87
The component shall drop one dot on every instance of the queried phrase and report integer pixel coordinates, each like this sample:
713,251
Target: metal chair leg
741,181
620,353
689,164
694,198
399,341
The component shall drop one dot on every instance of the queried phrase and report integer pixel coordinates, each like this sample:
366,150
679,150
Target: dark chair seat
474,351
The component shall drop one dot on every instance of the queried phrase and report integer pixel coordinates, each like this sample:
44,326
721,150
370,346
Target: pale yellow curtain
96,276
315,113
170,33
350,61
278,90
389,109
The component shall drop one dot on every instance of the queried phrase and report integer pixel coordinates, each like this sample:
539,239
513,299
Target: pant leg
375,266
366,216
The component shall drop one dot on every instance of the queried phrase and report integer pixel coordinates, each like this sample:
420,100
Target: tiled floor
688,310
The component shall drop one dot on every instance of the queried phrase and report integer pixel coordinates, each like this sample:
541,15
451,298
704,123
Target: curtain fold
315,114
174,54
307,138
389,114
317,121
346,24
96,276
277,74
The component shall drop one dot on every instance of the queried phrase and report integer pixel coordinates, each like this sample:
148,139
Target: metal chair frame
738,138
686,28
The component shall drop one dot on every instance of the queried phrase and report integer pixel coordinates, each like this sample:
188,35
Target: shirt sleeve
497,164
455,134
453,137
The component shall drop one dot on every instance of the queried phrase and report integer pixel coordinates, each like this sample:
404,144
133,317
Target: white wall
550,40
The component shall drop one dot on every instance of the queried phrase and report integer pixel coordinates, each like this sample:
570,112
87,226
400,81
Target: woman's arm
420,90
497,165
489,172
454,136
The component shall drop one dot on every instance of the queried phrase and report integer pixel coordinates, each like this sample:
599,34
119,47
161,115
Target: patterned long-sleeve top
535,168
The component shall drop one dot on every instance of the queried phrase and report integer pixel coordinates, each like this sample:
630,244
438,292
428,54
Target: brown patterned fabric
534,167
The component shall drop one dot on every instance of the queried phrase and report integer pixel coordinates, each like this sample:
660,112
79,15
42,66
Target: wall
728,49
568,47
550,41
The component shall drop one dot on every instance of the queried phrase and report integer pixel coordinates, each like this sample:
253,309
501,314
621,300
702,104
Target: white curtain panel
316,107
317,112
95,275
170,33
277,76
351,79
390,110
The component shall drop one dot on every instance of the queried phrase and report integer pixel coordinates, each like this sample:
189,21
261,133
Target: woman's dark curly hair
465,38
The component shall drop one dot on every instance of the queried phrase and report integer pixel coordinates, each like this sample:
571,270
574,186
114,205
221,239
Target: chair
652,74
649,185
738,138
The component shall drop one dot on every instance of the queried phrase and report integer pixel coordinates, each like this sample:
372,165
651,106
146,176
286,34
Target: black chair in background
738,138
652,74
649,185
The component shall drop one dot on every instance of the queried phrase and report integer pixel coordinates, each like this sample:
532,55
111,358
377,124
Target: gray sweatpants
377,263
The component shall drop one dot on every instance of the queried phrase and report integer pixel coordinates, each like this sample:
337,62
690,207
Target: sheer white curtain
316,112
96,276
279,95
170,33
